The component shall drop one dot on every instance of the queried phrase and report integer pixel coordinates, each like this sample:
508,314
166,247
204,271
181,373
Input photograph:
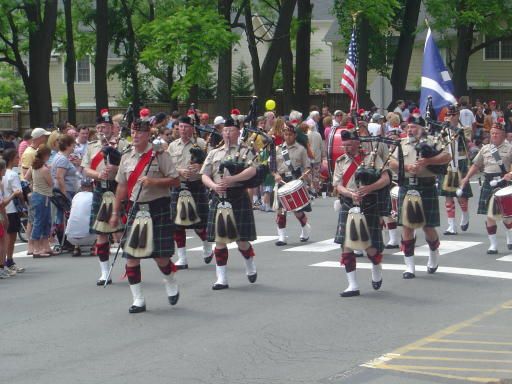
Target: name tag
413,181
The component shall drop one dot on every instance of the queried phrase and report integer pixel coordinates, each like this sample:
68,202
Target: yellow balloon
270,105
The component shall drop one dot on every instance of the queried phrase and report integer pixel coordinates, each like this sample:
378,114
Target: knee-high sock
348,259
168,269
203,235
133,274
247,253
281,220
463,203
103,251
221,256
180,237
450,208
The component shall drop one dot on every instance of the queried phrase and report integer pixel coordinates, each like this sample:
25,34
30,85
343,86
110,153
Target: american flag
349,77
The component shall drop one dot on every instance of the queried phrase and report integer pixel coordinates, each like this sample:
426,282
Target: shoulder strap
351,169
496,154
96,160
134,176
286,157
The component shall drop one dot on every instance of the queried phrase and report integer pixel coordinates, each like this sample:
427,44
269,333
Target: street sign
381,92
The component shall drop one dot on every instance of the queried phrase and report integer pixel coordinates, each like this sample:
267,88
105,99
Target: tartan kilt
384,201
466,192
242,212
97,194
163,228
200,195
370,208
429,199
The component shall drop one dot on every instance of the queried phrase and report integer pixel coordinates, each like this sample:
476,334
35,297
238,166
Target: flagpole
356,96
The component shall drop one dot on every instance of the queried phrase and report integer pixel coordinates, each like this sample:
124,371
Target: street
291,326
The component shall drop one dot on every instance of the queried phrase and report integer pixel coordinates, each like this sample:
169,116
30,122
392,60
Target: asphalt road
291,326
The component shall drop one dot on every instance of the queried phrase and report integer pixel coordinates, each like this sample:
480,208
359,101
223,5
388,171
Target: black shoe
252,278
76,252
180,267
432,270
449,233
408,275
492,251
280,243
509,246
304,239
208,259
391,246
350,293
174,299
100,283
218,287
357,254
376,284
464,227
135,309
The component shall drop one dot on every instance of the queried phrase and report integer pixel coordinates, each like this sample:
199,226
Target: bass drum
334,149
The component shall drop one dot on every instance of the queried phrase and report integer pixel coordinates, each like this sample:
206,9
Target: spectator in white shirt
77,229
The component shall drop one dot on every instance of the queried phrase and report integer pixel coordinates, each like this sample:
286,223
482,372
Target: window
83,71
499,50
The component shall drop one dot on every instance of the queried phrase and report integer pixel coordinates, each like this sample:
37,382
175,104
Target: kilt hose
163,228
466,192
485,195
97,196
429,199
200,195
242,212
370,209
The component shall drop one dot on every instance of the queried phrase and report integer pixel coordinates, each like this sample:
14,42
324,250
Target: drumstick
300,178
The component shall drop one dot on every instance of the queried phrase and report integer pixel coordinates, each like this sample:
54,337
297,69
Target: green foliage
208,88
191,38
241,83
12,91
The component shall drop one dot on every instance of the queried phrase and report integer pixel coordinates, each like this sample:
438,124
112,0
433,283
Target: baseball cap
219,120
338,112
376,117
38,132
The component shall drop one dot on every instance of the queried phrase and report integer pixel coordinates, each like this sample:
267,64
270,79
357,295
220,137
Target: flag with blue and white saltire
349,77
435,79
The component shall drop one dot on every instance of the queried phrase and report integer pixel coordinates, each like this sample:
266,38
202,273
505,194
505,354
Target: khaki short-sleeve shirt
298,158
485,161
215,157
180,154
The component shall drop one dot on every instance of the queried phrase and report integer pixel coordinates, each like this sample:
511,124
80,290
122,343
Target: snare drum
293,196
503,199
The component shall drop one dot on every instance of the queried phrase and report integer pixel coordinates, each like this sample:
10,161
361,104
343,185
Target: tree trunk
460,70
287,71
225,66
281,33
362,70
100,61
404,49
70,63
40,42
251,43
303,51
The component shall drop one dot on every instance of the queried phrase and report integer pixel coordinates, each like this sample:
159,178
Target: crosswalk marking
421,268
260,239
447,246
505,258
320,246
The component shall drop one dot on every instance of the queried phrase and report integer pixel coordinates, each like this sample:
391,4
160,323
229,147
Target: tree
27,28
101,55
70,63
492,19
241,83
12,91
303,52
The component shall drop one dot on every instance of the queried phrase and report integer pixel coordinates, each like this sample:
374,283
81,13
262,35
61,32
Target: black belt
491,176
422,182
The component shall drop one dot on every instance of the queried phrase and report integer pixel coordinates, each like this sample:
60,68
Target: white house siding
321,59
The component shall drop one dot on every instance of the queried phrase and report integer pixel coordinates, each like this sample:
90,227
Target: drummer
292,162
496,167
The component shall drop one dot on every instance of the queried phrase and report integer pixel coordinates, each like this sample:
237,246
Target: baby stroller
61,202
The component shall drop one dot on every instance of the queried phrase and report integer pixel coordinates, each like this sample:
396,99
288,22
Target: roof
323,10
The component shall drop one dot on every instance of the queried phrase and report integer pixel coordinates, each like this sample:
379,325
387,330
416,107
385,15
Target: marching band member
364,232
230,202
494,160
419,193
100,163
191,190
144,177
292,162
458,166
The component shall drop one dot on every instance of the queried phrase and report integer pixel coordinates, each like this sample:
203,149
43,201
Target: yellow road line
433,340
446,376
457,369
501,335
439,349
452,359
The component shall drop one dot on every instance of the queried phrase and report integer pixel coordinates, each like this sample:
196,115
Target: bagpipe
238,163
